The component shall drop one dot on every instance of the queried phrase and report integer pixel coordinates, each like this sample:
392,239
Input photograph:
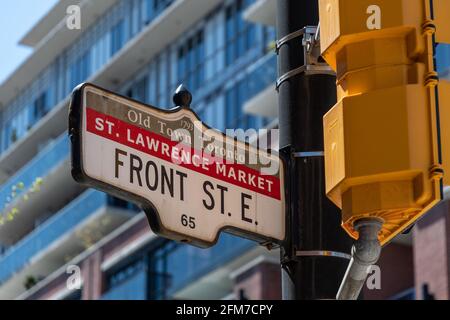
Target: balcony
205,274
52,40
70,231
24,198
138,52
52,155
189,273
50,127
263,12
262,88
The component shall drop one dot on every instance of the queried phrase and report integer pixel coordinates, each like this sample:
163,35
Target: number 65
188,221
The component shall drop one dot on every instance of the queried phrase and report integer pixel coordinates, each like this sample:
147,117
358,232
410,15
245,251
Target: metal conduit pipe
365,253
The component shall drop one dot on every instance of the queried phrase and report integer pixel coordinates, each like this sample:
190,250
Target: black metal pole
311,259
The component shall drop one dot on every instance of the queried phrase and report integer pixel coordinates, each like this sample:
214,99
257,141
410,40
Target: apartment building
142,49
222,50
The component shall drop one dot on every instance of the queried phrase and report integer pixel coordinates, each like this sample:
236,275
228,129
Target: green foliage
30,281
17,195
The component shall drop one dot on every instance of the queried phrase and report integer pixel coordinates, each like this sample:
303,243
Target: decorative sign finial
182,97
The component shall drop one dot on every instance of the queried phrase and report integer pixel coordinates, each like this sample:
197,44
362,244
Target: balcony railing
18,256
41,165
184,264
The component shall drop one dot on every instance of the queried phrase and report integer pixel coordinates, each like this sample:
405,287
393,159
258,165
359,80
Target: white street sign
191,181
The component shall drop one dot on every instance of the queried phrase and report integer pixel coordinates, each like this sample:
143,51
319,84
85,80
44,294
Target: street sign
191,181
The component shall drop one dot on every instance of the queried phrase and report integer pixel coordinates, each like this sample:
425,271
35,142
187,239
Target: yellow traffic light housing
441,10
444,112
382,150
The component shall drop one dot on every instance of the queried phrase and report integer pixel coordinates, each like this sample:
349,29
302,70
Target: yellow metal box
348,21
379,158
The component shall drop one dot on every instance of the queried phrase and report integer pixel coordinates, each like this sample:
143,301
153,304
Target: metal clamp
289,37
323,253
313,62
289,75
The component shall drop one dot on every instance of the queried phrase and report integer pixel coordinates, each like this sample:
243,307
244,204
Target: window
240,35
269,37
214,46
191,56
231,108
181,63
166,266
235,99
40,107
6,131
185,263
160,280
117,37
138,90
17,119
117,277
155,7
213,112
160,5
135,18
149,10
163,80
80,69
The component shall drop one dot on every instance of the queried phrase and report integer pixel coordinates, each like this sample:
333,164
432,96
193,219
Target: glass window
138,90
231,44
80,70
152,84
191,61
186,263
160,278
231,108
135,20
209,48
181,63
269,37
235,118
220,113
200,58
240,35
169,266
85,66
117,37
120,275
149,10
220,43
74,75
163,83
40,107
